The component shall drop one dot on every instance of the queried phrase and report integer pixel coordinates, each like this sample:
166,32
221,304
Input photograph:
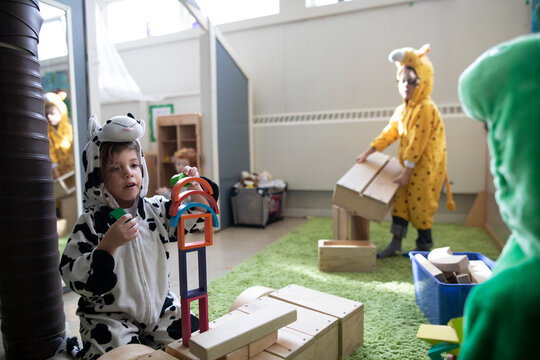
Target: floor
230,247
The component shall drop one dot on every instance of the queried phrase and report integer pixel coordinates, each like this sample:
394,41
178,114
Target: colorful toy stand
178,211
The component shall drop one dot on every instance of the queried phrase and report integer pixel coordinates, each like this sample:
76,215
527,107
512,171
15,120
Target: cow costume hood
116,129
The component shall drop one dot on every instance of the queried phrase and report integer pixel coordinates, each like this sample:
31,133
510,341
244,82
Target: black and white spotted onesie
125,298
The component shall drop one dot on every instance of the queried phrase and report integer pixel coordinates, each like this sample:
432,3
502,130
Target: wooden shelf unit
175,132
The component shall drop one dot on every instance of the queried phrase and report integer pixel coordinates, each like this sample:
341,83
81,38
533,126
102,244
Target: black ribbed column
33,321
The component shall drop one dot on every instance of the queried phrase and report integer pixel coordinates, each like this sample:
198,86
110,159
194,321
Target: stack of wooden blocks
366,192
294,322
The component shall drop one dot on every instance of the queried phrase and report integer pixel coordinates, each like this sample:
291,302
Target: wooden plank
383,188
360,175
430,268
130,351
307,321
350,256
179,351
230,336
359,228
340,223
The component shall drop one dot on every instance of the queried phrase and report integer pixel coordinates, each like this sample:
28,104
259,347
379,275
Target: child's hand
403,178
193,172
121,232
363,156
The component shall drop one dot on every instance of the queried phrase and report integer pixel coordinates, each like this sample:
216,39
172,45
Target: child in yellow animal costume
60,133
422,150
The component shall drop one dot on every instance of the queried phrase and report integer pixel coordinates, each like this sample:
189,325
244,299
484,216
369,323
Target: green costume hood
502,88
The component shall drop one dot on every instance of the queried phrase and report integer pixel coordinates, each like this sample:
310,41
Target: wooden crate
347,255
367,189
349,313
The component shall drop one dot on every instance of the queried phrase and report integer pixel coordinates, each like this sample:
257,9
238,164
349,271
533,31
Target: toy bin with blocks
441,301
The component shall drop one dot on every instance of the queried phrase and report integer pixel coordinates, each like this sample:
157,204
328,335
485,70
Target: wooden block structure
347,255
350,314
324,327
177,211
312,335
367,189
348,227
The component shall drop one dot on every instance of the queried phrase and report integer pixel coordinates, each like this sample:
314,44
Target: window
221,12
129,20
52,36
314,3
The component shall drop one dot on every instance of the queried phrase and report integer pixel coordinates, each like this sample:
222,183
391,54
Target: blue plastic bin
440,301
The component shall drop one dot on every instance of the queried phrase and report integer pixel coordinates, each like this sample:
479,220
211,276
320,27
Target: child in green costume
502,89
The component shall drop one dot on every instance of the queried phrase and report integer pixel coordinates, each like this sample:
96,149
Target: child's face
407,82
123,177
53,115
180,165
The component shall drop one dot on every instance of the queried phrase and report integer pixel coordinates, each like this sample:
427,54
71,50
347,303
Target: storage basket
257,206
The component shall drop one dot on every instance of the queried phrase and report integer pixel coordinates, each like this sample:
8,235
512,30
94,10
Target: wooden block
265,356
249,295
343,255
479,271
349,313
444,259
128,352
291,344
434,334
263,343
359,228
340,223
430,268
231,336
240,354
179,351
367,189
156,355
463,278
323,329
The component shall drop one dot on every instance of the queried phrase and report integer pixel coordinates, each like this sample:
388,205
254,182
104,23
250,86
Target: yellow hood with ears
418,60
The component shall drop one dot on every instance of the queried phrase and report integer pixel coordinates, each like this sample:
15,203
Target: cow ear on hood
93,127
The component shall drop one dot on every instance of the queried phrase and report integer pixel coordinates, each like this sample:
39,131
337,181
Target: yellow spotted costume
420,130
60,138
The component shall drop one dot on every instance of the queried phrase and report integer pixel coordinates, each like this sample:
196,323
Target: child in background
60,134
183,157
422,150
119,267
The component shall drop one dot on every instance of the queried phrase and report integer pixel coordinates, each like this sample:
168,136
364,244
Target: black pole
33,320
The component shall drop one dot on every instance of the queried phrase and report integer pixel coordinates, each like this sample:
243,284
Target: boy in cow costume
120,267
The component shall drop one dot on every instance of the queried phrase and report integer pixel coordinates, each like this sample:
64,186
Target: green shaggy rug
391,315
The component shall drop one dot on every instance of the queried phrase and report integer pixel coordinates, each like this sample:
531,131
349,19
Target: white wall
334,58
